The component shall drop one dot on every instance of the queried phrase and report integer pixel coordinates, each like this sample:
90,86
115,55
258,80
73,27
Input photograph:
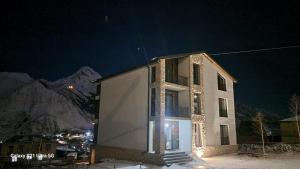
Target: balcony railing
181,112
181,80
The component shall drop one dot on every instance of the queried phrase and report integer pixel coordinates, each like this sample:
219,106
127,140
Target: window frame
197,135
196,74
222,83
153,100
153,74
224,140
223,112
199,112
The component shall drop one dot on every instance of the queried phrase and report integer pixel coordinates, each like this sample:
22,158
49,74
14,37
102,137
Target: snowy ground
231,161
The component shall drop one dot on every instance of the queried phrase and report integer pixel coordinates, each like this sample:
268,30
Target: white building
160,112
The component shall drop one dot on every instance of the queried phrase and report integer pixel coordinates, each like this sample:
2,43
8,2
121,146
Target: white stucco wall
124,110
185,135
211,106
183,66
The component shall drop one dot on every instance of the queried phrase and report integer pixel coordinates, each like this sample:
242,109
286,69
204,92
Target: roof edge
156,59
219,66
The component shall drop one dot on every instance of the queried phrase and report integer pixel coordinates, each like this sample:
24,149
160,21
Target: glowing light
88,133
29,156
14,158
70,87
167,125
40,157
199,152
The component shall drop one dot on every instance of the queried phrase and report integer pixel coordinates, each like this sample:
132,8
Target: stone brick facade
218,150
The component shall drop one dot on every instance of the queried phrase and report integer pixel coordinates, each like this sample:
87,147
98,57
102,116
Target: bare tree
259,128
294,108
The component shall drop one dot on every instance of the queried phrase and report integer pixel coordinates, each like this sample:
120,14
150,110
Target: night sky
53,39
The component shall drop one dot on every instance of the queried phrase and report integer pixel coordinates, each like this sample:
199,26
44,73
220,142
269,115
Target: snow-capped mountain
12,81
83,81
29,106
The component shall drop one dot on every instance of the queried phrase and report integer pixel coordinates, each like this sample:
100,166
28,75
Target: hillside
29,106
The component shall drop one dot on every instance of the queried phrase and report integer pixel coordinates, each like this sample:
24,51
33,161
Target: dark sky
52,39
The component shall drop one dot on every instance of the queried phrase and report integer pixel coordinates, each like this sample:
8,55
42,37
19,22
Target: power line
256,50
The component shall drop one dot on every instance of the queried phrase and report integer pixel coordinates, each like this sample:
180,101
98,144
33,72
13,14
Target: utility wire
256,50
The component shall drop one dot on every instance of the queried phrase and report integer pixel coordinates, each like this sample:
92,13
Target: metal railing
180,112
180,80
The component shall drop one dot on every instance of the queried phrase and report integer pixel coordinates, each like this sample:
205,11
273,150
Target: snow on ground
272,161
230,161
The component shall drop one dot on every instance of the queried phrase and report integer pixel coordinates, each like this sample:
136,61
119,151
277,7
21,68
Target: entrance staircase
176,158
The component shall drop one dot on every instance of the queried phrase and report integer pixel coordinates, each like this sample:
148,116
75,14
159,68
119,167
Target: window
153,96
224,134
171,70
171,104
196,74
221,83
197,135
153,74
197,104
223,107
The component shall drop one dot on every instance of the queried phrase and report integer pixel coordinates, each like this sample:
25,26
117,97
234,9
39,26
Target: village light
40,157
70,87
29,156
14,158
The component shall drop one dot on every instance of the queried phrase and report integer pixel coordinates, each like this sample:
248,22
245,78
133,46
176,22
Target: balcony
180,80
180,112
175,72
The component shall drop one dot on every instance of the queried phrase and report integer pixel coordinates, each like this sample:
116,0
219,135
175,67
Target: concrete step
176,158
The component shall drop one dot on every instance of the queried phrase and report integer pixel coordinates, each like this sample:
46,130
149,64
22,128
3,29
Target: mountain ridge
41,106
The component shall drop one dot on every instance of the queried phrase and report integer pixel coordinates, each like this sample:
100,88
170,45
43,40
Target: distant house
162,111
27,145
289,132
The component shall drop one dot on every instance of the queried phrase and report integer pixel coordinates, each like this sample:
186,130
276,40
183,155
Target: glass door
172,135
